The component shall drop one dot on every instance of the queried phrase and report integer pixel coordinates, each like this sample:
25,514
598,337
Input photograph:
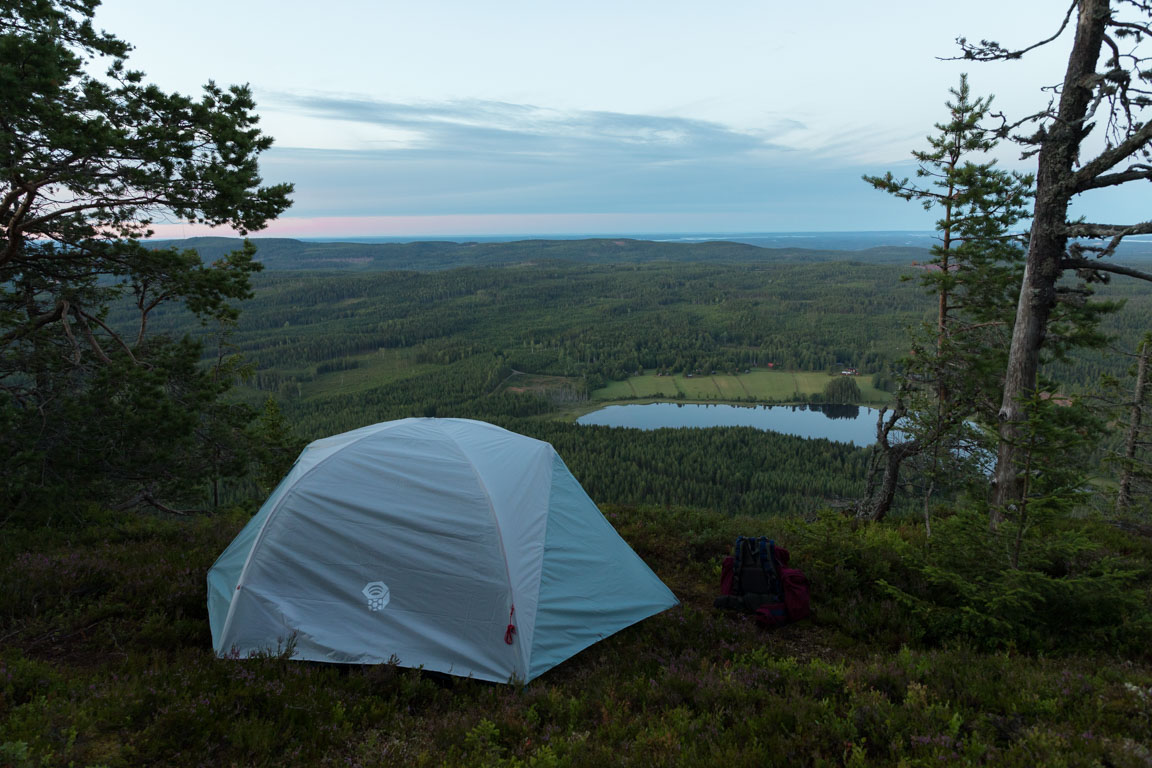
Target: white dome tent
447,544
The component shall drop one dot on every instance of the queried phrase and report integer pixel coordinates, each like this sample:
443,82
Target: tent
447,544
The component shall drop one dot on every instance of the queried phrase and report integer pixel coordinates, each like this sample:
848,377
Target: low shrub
105,660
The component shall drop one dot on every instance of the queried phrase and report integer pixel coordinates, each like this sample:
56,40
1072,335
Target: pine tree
1104,89
90,400
951,374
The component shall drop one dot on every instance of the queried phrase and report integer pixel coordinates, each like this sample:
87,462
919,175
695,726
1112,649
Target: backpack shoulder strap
774,560
737,564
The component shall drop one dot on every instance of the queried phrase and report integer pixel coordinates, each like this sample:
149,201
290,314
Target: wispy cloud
499,128
493,158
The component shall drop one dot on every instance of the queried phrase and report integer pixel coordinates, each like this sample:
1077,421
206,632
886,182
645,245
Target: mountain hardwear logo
377,594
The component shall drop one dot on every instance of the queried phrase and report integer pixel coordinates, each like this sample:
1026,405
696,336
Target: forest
340,350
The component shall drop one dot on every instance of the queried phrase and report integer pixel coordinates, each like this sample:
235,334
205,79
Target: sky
460,117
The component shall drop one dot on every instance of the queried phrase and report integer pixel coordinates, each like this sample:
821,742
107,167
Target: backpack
756,579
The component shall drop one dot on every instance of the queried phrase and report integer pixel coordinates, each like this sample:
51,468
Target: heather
920,652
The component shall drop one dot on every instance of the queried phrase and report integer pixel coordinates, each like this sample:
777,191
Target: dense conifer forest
339,350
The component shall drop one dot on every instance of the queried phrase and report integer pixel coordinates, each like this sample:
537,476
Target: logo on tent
377,594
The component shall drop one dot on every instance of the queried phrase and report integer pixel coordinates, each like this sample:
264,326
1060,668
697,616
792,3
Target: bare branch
1089,229
144,496
1108,41
144,312
1005,130
1140,29
1134,173
68,332
1104,266
992,51
1082,179
1116,232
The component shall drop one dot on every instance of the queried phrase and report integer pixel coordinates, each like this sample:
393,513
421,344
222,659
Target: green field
375,369
757,385
770,385
617,390
654,386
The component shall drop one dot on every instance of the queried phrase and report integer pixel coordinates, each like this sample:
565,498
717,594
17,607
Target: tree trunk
1058,156
876,506
1124,495
877,501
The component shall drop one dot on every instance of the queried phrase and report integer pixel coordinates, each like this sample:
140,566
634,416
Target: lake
843,423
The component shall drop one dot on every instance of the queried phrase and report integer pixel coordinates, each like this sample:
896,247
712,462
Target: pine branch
33,325
989,50
111,333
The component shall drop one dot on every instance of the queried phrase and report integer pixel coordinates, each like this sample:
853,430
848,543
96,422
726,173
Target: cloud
495,158
387,183
502,129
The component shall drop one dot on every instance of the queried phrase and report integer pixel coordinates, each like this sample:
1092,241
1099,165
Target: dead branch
1096,266
989,50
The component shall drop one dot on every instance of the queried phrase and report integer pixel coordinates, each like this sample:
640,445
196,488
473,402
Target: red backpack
756,579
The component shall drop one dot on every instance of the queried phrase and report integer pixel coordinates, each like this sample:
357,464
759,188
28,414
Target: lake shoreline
572,412
845,423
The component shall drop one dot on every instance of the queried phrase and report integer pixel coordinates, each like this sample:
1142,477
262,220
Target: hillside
288,254
107,660
283,253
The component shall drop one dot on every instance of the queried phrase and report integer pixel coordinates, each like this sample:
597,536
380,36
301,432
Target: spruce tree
842,390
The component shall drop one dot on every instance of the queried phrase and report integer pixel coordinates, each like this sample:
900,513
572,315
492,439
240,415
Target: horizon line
639,234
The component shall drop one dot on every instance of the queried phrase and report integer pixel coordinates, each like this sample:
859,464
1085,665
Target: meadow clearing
758,385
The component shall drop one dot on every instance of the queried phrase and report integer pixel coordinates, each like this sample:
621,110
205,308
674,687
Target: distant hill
278,253
285,254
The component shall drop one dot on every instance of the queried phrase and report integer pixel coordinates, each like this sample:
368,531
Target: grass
373,370
730,387
106,661
810,381
758,385
617,390
770,385
654,386
698,387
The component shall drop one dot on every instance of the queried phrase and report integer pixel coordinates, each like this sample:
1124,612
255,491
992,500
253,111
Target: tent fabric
417,542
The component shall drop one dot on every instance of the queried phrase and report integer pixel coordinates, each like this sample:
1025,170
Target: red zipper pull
511,631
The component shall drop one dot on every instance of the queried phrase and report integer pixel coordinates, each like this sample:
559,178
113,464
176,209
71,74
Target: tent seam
553,457
499,537
272,513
